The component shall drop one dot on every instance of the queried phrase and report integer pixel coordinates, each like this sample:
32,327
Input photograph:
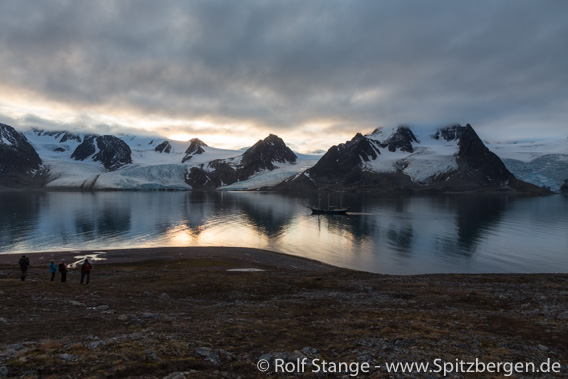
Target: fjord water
404,234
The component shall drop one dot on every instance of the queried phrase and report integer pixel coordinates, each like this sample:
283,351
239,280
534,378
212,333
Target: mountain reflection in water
407,234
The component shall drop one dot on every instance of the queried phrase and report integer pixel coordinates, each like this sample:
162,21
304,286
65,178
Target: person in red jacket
86,271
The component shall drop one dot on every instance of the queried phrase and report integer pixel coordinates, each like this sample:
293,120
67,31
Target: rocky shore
187,313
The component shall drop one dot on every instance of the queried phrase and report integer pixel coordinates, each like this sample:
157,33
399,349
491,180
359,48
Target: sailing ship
331,209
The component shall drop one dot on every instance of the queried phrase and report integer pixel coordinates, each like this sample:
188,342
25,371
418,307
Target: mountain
195,147
20,165
265,155
446,160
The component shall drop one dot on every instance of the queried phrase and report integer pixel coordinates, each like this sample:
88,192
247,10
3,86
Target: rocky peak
261,156
474,157
164,147
344,157
265,152
377,132
195,147
450,133
9,136
113,152
401,140
17,155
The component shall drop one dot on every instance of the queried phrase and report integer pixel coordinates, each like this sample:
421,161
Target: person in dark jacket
86,271
63,270
52,269
24,264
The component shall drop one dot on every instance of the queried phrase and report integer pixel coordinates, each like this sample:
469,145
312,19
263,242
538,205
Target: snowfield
267,178
150,169
544,162
430,158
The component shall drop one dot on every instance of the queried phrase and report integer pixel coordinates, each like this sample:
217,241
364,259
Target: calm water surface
385,234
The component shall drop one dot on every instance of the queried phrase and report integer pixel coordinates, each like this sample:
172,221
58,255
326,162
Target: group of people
86,268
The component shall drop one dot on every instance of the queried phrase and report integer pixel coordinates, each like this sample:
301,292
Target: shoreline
238,256
199,313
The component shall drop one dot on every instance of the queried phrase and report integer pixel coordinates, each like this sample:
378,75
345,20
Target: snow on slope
544,163
528,151
430,158
267,178
150,170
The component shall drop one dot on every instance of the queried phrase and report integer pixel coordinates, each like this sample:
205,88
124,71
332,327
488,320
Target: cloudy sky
313,72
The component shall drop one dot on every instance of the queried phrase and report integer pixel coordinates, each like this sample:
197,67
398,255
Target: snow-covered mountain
20,165
448,159
89,162
263,157
543,162
398,159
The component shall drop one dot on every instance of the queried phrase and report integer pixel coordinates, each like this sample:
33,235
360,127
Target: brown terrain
179,313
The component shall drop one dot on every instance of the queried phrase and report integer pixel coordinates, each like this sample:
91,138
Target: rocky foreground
179,313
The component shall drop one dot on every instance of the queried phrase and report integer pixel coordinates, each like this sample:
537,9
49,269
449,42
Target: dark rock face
401,140
195,147
113,152
85,149
70,137
19,161
341,165
164,147
261,156
475,156
564,188
222,173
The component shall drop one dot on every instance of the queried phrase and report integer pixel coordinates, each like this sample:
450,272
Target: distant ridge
448,159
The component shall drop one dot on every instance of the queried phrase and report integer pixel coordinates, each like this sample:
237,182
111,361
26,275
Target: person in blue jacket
52,269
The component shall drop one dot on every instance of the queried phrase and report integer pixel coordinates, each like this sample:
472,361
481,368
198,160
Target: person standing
86,271
52,269
24,264
63,270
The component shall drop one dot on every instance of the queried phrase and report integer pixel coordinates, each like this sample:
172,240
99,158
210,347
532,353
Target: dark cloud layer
282,65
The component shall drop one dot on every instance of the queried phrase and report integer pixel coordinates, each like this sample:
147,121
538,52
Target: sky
313,72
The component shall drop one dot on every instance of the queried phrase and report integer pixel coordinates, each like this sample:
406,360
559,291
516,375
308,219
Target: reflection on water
387,234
